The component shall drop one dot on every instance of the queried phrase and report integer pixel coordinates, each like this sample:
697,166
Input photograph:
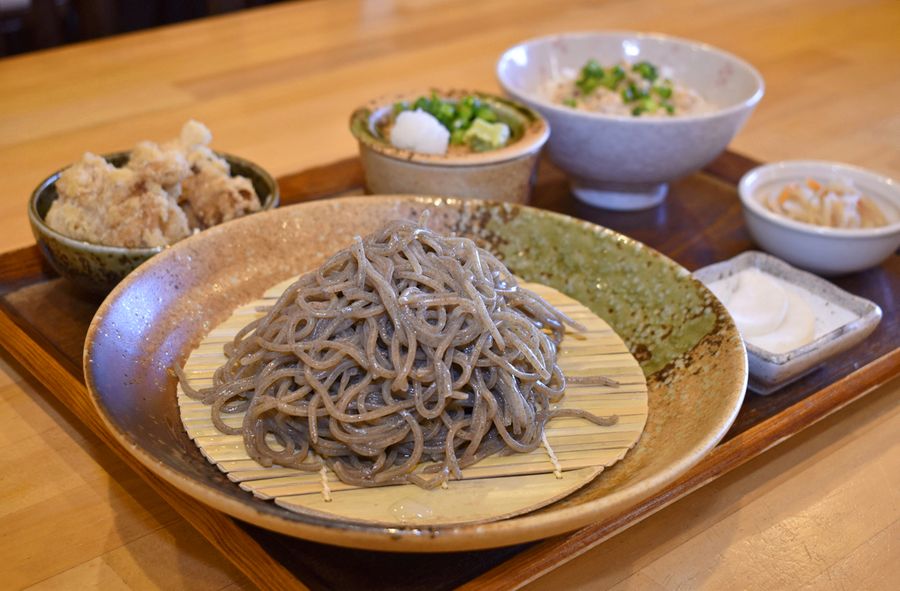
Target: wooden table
277,85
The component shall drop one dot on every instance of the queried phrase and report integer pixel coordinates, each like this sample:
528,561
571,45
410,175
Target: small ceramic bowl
505,174
98,268
827,251
625,163
769,371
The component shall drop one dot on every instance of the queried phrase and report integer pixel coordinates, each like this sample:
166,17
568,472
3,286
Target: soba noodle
404,358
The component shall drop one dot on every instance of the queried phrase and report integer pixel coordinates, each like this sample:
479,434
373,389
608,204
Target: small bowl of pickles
454,143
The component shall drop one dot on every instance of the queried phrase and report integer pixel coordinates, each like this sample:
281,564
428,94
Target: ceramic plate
688,347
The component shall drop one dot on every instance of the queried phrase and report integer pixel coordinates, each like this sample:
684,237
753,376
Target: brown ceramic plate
684,339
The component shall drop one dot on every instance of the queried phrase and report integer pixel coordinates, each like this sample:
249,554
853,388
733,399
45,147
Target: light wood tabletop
277,85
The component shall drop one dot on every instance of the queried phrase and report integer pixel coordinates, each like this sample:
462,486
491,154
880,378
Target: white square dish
770,371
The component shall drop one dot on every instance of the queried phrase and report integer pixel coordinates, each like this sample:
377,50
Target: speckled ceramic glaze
505,174
770,371
624,162
685,341
98,268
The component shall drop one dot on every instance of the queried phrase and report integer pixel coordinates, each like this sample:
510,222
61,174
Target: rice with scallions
639,90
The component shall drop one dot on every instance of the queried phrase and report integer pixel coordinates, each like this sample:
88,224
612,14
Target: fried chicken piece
211,196
103,204
85,189
165,165
146,215
91,179
163,193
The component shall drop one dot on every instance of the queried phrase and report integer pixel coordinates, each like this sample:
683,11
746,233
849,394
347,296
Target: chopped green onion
645,105
631,93
613,78
639,86
587,85
663,91
445,113
592,69
487,114
646,70
465,111
590,77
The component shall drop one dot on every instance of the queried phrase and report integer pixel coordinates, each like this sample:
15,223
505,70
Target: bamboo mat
495,488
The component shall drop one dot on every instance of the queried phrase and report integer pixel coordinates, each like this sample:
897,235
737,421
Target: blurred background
29,25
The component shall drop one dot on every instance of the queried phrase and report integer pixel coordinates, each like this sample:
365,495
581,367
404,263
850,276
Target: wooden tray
43,322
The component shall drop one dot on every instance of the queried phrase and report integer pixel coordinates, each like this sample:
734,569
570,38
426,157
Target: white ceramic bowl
827,251
625,163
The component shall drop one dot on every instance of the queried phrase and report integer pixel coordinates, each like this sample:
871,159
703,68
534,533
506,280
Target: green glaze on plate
654,305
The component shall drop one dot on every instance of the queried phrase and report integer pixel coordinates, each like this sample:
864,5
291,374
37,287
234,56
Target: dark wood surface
44,322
